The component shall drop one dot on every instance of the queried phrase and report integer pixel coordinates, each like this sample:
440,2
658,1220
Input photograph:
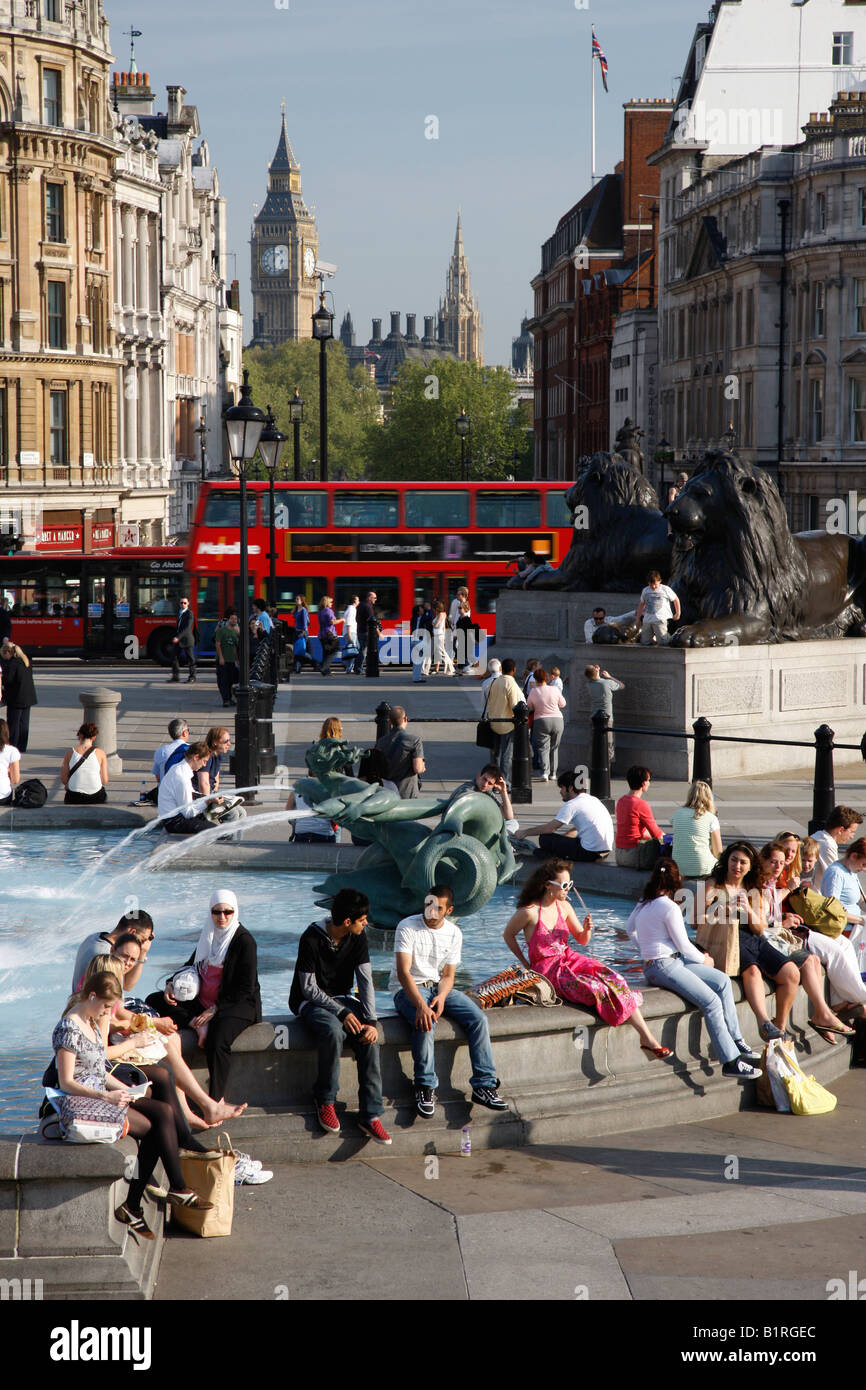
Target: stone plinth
549,625
99,707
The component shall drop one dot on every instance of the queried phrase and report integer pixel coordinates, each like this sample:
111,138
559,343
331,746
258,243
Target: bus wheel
159,645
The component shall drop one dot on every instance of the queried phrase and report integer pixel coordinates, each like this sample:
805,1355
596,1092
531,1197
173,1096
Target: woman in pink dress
548,920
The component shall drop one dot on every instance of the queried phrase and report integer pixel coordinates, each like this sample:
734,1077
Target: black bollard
372,667
244,762
702,766
382,725
521,764
599,761
824,789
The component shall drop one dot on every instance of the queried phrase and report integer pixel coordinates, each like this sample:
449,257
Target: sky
507,80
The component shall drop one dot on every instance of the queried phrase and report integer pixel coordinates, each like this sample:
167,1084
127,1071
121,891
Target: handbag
86,1120
516,985
823,914
484,734
212,1176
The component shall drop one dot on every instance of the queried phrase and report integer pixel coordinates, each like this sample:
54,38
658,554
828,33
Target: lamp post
296,412
202,433
271,443
244,425
664,454
463,425
323,329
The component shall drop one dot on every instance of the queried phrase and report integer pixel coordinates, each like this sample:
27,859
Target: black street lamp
296,412
202,433
323,329
271,443
463,427
664,455
244,425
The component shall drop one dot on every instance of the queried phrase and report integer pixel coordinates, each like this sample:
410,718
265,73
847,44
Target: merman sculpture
468,848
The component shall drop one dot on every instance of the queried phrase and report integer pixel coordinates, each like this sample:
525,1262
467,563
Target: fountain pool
53,894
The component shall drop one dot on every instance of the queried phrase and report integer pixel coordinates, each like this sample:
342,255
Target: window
53,11
290,587
516,508
738,319
4,428
558,514
820,212
295,510
42,592
158,596
816,410
52,112
431,508
487,590
224,509
366,509
54,211
863,207
843,46
59,454
56,299
860,305
818,309
858,410
387,590
750,317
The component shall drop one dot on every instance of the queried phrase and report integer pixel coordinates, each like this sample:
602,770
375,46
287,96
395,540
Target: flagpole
592,60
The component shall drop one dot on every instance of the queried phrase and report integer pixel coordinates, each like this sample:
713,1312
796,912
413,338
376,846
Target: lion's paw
692,635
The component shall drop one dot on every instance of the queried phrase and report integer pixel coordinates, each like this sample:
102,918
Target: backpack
30,793
373,766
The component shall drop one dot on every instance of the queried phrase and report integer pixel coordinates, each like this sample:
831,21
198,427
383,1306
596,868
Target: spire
284,160
458,238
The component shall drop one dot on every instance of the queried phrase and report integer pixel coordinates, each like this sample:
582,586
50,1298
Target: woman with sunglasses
229,999
547,920
671,961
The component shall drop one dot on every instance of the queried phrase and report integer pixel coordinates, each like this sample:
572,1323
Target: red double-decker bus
92,605
408,541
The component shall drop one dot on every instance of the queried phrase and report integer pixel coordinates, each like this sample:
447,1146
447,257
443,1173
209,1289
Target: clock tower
285,247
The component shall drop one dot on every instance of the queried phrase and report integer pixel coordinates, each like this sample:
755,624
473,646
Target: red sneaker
327,1117
375,1130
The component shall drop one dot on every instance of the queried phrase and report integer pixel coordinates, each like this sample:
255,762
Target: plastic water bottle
861,959
142,796
466,1142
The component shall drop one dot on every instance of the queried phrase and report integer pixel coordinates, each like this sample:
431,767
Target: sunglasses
566,887
221,911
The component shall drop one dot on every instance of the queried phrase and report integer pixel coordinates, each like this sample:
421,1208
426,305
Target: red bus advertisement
407,541
117,603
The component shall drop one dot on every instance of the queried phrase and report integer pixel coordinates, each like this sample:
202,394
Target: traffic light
10,543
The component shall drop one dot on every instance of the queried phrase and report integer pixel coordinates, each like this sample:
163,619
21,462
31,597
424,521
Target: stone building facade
284,249
460,326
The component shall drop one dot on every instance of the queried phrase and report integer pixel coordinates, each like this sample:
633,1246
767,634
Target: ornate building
459,315
284,250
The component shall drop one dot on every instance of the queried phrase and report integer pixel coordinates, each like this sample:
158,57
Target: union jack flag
602,61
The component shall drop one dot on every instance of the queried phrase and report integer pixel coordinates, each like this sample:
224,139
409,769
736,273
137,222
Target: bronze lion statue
619,531
743,577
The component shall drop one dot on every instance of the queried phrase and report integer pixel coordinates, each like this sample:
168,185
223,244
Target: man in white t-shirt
840,829
658,603
582,830
427,950
176,799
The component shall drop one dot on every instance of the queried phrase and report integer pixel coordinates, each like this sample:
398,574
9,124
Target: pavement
755,1206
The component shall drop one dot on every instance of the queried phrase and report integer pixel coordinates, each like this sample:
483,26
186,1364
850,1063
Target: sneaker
768,1031
246,1169
253,1176
375,1130
327,1117
489,1097
253,1162
425,1101
740,1070
746,1052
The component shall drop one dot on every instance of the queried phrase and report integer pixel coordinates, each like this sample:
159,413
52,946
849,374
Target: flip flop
661,1052
842,1032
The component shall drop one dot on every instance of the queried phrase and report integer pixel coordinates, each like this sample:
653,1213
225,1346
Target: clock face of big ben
275,260
309,262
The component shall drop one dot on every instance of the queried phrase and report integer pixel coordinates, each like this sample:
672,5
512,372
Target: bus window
371,509
434,508
486,593
158,596
46,594
387,594
224,509
295,510
517,508
290,588
558,514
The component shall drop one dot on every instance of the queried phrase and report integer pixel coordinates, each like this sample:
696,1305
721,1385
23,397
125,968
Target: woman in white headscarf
229,998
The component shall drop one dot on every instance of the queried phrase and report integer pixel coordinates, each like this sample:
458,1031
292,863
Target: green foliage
419,438
353,406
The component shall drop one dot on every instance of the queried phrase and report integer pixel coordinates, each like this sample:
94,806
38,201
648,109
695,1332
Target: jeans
330,1037
710,990
227,674
503,753
568,847
474,1024
657,627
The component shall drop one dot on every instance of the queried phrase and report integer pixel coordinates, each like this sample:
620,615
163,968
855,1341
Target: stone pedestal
99,707
549,625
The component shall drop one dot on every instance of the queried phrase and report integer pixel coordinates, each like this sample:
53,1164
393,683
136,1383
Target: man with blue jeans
426,955
332,955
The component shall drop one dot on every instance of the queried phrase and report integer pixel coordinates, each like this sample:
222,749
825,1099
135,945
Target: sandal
135,1221
827,1028
661,1052
189,1199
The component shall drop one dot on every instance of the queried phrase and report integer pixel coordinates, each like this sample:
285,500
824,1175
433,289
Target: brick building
599,260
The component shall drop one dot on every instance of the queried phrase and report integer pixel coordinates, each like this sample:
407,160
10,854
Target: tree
353,405
419,438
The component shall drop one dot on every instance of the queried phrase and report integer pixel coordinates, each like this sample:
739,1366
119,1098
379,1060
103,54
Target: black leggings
157,1123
